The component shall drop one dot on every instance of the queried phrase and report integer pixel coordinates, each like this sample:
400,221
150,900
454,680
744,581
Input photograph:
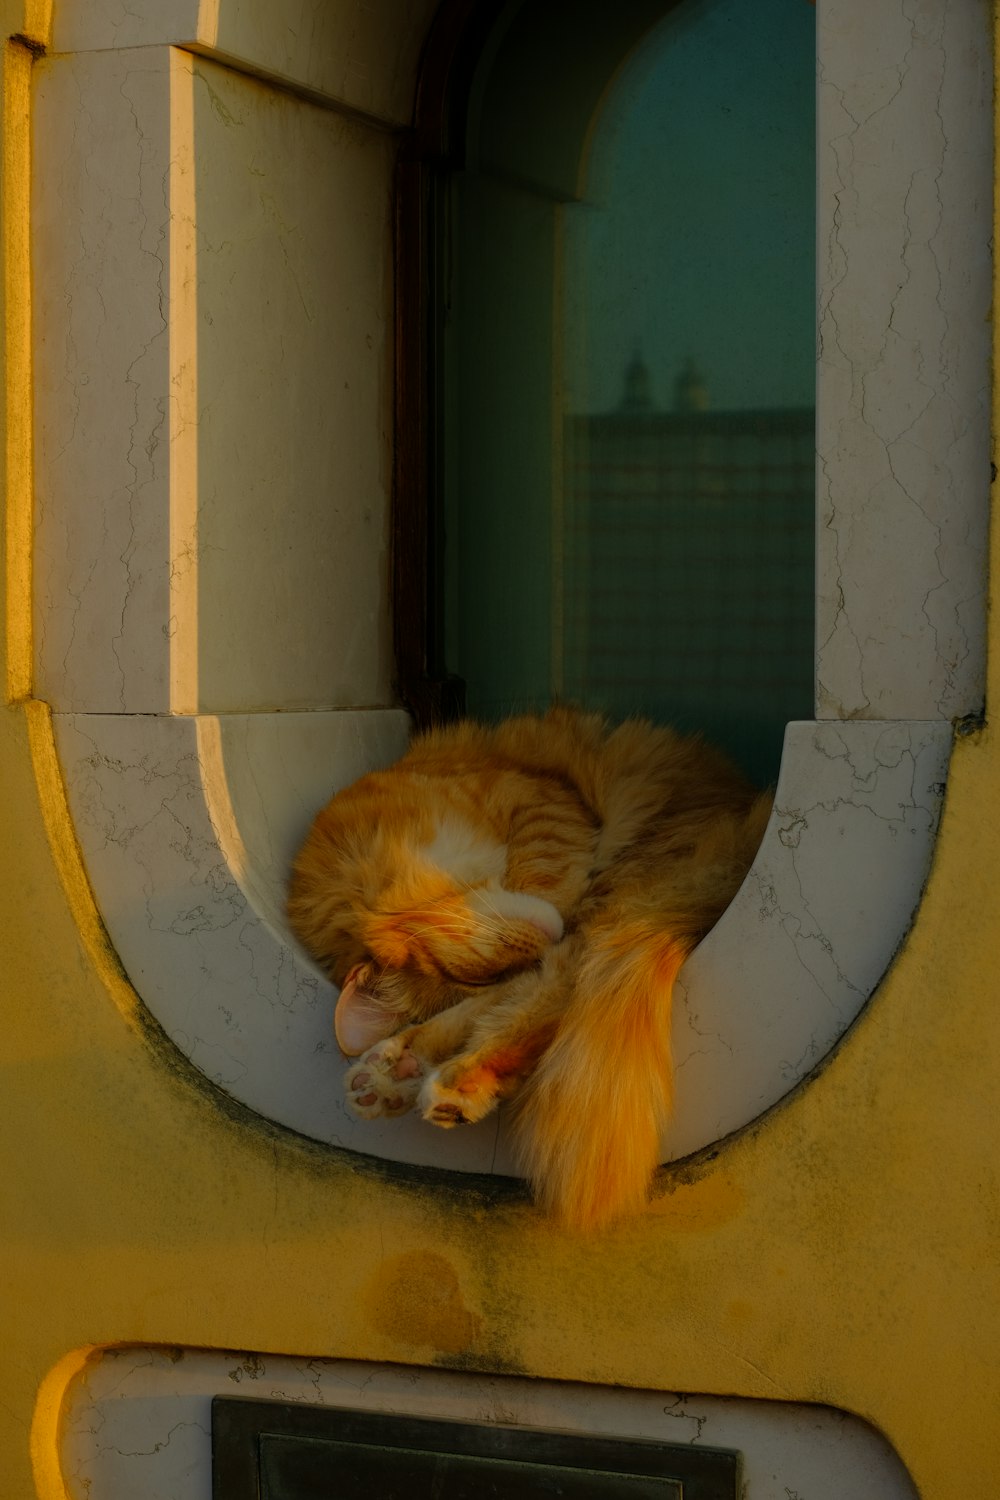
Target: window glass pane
629,368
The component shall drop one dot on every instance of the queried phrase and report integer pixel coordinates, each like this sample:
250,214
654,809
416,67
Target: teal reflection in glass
628,363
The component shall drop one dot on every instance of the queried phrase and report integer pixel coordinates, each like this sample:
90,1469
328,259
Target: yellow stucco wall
844,1250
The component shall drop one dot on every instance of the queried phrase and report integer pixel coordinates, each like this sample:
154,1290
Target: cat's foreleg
504,1046
387,1079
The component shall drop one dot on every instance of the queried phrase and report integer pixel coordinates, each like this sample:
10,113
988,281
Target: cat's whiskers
460,932
503,921
477,922
456,928
482,895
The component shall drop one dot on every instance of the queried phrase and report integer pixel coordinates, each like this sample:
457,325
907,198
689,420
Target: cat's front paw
386,1080
458,1094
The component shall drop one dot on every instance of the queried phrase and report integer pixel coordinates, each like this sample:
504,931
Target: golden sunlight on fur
506,911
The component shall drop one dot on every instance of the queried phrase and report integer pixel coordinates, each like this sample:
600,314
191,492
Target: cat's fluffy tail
590,1118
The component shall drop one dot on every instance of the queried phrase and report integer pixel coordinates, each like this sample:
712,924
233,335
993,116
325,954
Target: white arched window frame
212,248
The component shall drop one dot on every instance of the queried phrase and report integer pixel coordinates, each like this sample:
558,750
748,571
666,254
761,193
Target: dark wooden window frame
434,146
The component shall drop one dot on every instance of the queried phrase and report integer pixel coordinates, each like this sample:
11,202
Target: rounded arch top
499,87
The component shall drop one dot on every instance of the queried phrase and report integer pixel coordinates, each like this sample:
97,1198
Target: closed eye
484,984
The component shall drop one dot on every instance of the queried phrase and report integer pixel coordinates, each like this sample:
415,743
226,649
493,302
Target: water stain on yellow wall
416,1298
691,1207
737,1312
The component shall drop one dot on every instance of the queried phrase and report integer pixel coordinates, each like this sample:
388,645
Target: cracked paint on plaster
813,928
191,531
905,195
102,385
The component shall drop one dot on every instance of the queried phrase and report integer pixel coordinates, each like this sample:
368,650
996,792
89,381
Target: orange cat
505,911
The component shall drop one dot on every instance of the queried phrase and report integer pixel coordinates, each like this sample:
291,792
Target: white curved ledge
137,1421
187,826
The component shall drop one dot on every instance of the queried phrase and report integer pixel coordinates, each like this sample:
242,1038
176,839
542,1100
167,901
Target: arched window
620,415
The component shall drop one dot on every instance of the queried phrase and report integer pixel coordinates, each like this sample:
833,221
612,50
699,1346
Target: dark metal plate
273,1450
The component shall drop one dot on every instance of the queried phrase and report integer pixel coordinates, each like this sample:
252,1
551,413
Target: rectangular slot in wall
288,1451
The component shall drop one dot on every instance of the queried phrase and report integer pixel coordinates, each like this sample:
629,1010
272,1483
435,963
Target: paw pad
386,1083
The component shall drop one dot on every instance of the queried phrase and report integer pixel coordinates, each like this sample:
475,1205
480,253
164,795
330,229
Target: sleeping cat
505,911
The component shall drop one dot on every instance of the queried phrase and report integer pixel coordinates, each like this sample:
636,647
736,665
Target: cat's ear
360,1019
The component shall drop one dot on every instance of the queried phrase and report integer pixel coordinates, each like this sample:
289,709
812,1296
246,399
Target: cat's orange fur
506,910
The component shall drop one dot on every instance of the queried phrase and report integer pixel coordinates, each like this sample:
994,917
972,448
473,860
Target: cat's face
428,942
408,915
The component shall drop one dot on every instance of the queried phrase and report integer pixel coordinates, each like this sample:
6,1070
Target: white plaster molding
213,404
100,250
829,900
138,1421
903,410
188,827
358,54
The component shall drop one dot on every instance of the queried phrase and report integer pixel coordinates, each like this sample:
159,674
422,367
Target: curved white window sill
188,826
